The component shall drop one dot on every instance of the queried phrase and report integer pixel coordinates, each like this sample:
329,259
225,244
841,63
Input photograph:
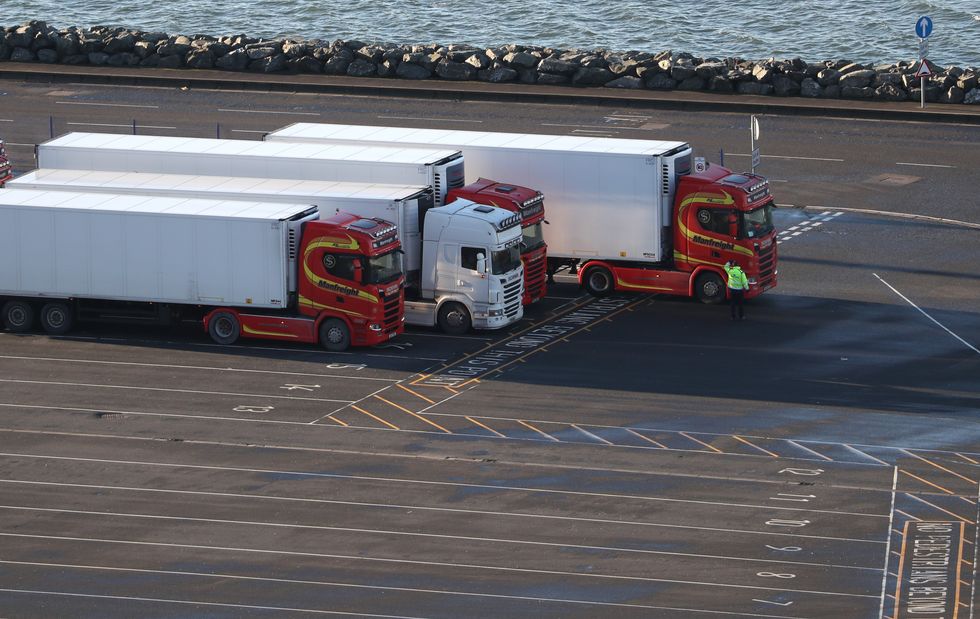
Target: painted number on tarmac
294,387
785,548
346,366
779,522
775,575
253,409
804,472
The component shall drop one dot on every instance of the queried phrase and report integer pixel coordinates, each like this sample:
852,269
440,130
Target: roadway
641,456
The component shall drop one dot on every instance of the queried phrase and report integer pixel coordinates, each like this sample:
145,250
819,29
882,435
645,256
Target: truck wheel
454,318
18,316
334,335
598,281
224,328
56,318
709,288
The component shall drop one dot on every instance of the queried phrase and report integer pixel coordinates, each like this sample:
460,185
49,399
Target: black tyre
56,318
709,288
334,335
454,318
598,281
224,328
18,316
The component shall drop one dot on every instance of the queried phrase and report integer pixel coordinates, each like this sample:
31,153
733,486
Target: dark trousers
735,298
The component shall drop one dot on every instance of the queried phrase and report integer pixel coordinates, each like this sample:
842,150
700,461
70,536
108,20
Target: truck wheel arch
597,268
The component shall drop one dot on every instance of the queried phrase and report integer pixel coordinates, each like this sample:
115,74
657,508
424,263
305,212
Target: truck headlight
495,312
374,327
752,281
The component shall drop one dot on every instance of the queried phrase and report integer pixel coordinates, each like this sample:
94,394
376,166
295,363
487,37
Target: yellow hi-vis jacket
736,278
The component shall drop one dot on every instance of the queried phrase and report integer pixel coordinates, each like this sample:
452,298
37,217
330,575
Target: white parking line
269,112
435,536
454,484
449,564
925,165
131,598
193,367
923,312
446,120
135,388
398,506
784,157
148,107
129,125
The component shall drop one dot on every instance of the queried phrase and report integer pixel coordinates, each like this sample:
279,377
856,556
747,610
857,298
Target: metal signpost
753,136
923,28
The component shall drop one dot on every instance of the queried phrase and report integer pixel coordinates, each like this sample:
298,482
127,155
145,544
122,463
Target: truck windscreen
532,237
757,222
506,260
383,269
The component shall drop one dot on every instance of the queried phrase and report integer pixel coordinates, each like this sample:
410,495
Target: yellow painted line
942,468
945,511
418,395
970,460
375,417
909,516
901,567
414,414
765,451
486,427
925,481
711,447
646,438
332,418
544,434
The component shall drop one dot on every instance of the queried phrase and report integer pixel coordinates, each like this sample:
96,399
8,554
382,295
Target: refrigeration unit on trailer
624,214
530,203
243,268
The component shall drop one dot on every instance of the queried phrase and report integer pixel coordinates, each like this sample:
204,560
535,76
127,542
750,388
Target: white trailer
441,169
71,245
405,206
606,198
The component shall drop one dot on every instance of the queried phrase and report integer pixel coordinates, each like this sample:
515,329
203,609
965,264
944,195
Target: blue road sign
923,27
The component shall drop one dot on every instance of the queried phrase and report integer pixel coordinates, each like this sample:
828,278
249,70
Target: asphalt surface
638,456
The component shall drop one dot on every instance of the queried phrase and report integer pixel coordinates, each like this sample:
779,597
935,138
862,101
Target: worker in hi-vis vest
738,283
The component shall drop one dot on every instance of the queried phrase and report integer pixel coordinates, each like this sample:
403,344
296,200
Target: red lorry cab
530,204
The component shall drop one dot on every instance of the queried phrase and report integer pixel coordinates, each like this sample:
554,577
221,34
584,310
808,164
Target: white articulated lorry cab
628,215
435,290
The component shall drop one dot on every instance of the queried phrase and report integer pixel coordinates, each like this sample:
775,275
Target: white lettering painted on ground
534,339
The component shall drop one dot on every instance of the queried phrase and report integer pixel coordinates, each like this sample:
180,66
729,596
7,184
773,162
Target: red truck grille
535,280
392,312
767,265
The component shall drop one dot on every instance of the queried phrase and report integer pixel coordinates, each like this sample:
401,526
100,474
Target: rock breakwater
35,41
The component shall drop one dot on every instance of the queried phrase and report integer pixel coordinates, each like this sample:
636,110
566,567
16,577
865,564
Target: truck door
446,270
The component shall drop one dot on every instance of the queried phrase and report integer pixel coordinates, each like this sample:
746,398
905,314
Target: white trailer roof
455,139
135,203
211,187
200,146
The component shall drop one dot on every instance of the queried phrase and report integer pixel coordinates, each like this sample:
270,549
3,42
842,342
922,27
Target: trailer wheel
334,335
709,288
56,318
598,281
224,328
18,316
454,318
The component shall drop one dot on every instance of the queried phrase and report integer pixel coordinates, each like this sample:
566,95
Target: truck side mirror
358,272
481,264
733,225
